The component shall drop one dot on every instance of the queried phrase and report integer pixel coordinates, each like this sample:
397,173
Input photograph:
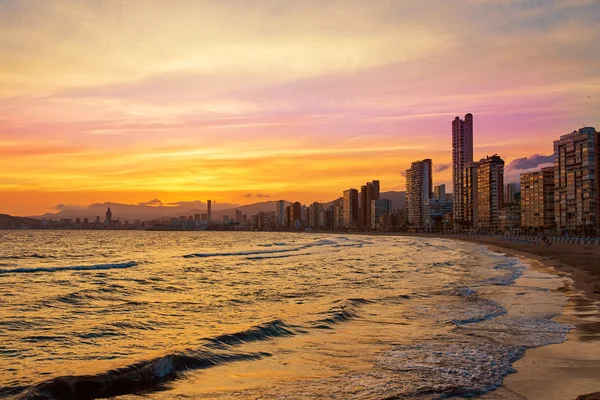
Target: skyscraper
368,193
419,189
469,198
490,191
462,155
108,215
576,180
350,209
281,212
209,210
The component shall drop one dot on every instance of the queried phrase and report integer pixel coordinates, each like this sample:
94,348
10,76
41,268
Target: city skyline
155,101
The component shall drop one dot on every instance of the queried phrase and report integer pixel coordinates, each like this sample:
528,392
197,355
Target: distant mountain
10,222
154,209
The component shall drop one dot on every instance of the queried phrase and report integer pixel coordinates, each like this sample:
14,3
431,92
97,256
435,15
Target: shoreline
567,370
564,370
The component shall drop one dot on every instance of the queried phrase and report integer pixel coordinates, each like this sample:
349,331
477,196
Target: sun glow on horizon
132,101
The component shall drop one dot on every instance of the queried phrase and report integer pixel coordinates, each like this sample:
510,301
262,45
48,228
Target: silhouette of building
209,210
338,214
576,180
351,217
368,193
462,155
108,216
490,191
379,208
418,190
281,212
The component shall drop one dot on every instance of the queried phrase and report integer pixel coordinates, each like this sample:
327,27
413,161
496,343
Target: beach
569,370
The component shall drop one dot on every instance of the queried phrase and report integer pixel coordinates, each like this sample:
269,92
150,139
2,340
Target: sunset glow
180,100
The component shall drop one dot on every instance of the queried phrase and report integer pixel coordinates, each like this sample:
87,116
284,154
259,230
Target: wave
24,256
339,314
134,378
459,369
72,268
269,330
316,243
241,253
149,374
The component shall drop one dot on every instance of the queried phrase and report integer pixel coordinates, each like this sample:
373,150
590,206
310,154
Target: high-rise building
577,180
368,193
296,215
281,212
338,214
462,155
537,199
209,210
288,217
314,212
238,216
108,215
490,191
351,219
379,209
469,197
419,189
439,192
510,194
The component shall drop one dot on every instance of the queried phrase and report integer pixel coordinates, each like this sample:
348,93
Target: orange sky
184,100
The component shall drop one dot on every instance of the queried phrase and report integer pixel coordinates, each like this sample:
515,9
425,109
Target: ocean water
246,315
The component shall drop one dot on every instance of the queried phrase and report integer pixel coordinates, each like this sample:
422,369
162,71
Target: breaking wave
72,268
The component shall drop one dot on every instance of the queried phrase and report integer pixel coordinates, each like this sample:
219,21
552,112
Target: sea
253,315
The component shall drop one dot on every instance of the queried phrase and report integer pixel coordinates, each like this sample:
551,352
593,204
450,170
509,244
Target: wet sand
569,370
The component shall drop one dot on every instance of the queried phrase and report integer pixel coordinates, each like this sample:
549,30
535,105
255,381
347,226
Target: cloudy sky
129,101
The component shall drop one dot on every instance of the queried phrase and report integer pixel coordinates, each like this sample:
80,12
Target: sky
242,101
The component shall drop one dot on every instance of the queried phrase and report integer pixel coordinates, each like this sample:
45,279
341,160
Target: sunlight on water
263,315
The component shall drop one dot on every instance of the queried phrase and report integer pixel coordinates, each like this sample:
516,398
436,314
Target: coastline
568,370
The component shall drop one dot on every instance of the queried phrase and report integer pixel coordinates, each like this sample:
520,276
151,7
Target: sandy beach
569,370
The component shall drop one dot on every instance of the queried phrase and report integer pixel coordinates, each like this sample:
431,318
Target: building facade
439,192
436,211
576,180
468,198
379,209
490,192
510,193
537,199
419,189
462,155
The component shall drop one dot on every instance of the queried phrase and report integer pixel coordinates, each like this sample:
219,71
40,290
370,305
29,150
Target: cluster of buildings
562,198
353,211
